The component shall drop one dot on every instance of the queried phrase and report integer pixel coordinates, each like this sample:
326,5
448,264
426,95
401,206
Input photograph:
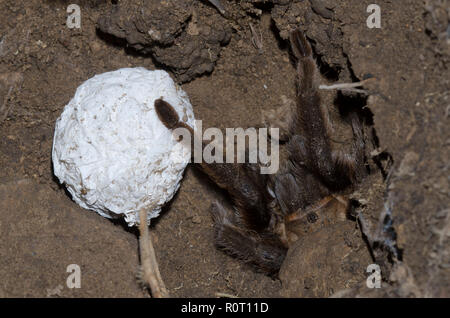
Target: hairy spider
268,209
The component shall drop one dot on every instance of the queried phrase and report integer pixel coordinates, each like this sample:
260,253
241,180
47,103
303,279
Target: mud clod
184,36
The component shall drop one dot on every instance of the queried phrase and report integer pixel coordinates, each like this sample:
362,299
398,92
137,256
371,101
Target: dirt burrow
403,203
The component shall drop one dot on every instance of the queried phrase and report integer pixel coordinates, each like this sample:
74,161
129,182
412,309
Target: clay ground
231,83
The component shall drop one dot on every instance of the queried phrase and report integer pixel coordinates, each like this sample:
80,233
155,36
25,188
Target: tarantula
262,224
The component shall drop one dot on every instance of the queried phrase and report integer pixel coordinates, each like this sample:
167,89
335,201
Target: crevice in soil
265,7
381,239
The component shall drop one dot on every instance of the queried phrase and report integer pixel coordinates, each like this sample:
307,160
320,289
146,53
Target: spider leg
297,188
313,149
263,250
352,163
243,182
247,190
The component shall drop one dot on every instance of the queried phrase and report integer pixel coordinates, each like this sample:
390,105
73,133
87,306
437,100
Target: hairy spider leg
242,181
243,231
312,148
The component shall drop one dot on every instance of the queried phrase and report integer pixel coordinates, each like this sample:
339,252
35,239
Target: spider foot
264,251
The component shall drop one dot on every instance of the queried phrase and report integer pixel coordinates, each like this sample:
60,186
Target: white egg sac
110,149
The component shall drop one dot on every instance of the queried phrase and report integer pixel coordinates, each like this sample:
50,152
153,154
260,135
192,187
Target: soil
400,216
